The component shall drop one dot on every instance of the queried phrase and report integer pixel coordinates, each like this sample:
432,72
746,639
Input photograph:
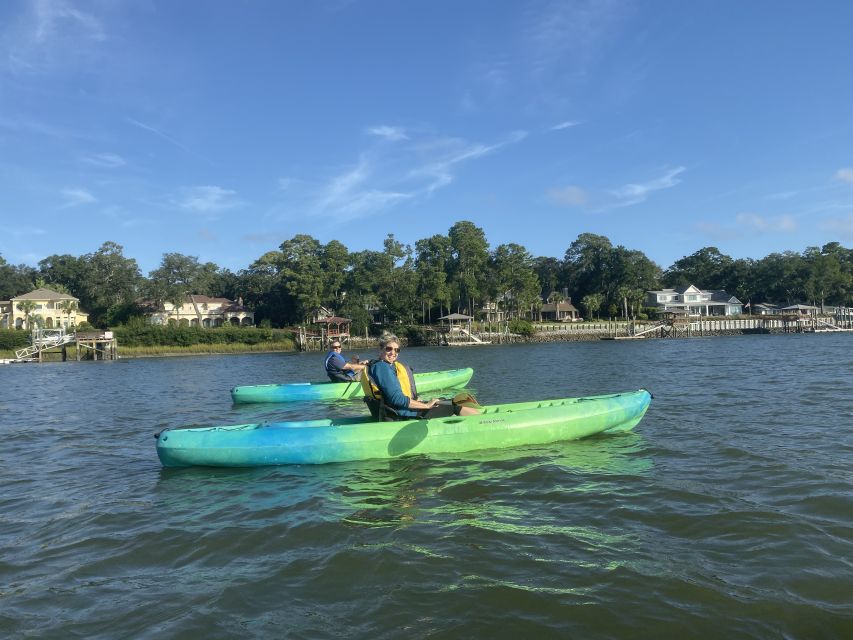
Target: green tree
514,278
26,307
706,269
334,261
591,303
550,274
110,279
470,257
15,280
303,276
68,307
587,262
67,271
431,266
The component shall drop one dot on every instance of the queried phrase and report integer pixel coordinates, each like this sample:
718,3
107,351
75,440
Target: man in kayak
338,369
390,384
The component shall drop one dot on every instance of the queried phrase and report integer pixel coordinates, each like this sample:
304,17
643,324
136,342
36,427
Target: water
728,512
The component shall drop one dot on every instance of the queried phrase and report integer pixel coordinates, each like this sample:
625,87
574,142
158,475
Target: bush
138,333
522,327
11,339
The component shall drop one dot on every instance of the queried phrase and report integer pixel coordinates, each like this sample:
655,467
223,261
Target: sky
221,128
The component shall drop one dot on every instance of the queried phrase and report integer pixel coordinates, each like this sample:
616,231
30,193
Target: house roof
44,294
456,316
558,306
332,320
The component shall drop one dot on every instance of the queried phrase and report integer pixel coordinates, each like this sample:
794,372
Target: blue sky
221,128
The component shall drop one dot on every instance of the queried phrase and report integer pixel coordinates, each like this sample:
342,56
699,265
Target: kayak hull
350,439
326,390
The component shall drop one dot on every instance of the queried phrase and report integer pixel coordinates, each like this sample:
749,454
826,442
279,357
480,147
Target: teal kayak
326,390
349,439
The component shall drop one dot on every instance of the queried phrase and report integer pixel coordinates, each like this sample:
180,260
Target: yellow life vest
404,376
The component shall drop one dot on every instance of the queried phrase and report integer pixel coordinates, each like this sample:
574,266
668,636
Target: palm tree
68,307
26,307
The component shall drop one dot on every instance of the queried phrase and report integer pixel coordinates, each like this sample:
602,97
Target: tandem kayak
326,390
349,439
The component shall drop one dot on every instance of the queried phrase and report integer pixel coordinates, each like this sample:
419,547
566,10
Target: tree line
455,272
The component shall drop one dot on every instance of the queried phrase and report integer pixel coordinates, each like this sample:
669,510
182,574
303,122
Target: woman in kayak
338,369
391,384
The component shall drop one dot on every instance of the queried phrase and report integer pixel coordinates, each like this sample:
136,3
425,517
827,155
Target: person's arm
353,366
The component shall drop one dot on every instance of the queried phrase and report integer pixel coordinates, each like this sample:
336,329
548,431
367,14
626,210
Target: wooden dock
100,345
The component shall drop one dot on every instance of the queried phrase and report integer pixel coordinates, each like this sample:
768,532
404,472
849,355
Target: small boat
326,390
350,439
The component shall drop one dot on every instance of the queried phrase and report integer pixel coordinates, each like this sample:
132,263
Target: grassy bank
195,349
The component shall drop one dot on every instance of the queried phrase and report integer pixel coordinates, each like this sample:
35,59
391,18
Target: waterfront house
201,311
52,310
695,301
805,310
560,312
763,309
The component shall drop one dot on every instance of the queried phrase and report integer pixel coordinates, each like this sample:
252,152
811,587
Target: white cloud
782,224
845,175
75,197
385,176
54,15
570,196
635,193
208,199
389,133
564,125
105,160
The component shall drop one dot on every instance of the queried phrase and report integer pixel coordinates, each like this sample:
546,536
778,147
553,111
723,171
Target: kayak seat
381,411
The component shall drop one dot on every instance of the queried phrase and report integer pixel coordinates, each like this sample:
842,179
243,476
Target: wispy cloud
385,176
635,193
105,160
166,137
845,175
208,200
570,196
53,35
440,171
24,124
571,32
349,195
754,221
52,16
564,125
394,134
75,197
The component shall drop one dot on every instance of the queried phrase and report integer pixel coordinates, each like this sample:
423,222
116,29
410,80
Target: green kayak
432,381
348,439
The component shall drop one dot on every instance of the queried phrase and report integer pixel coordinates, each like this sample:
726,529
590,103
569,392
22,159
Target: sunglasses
336,346
392,349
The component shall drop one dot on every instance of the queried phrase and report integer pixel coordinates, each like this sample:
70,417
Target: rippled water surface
727,513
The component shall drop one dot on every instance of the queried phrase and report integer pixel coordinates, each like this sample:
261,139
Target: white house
51,309
695,301
203,311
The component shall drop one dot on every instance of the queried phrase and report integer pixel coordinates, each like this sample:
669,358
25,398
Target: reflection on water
462,489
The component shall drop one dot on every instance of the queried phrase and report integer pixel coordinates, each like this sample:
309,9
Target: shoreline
601,331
